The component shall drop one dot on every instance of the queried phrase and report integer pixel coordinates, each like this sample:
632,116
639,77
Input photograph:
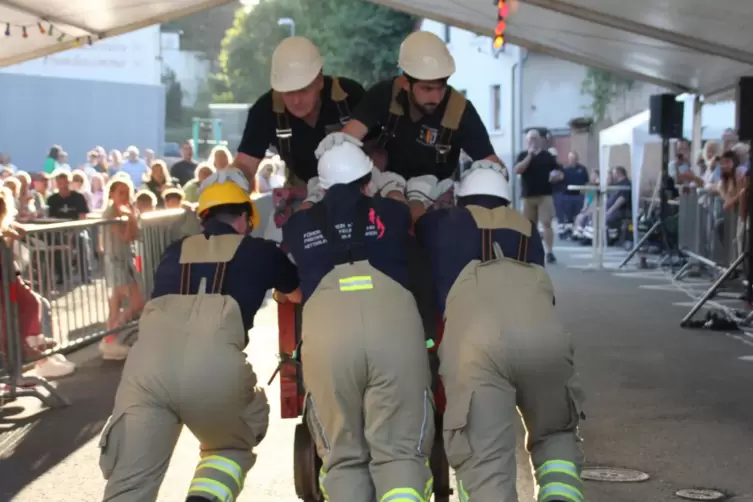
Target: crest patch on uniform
427,136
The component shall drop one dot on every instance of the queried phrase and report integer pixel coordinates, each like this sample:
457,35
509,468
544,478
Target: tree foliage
204,31
173,97
603,87
357,39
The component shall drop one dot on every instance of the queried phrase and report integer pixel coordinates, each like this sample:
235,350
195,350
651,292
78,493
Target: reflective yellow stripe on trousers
224,468
402,495
559,480
356,283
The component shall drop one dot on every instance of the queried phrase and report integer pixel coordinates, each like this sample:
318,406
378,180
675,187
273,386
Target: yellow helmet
228,186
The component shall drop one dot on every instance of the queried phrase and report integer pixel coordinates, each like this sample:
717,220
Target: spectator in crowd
731,190
5,162
126,300
134,167
116,160
679,167
158,180
67,204
220,157
173,198
27,209
741,150
184,169
571,201
31,306
146,202
14,187
93,165
6,173
536,169
80,184
51,162
619,203
266,181
97,186
711,158
63,161
191,189
586,211
149,156
41,185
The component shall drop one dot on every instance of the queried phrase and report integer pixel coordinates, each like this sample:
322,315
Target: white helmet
424,56
342,164
295,64
483,178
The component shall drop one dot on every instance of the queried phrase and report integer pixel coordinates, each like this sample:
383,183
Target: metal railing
56,290
712,240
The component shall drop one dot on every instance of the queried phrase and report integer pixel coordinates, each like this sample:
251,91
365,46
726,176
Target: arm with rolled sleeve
258,135
474,138
371,110
286,281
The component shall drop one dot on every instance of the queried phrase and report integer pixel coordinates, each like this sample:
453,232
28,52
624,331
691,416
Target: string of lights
503,12
43,28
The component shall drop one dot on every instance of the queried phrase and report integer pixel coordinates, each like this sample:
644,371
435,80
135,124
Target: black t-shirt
535,179
412,151
261,128
183,171
67,208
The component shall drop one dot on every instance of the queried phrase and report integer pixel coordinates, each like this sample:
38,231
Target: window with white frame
496,107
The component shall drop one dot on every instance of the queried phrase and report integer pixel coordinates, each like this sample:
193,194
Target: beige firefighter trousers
504,347
188,367
368,404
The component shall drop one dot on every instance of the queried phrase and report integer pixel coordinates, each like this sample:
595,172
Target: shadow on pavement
33,438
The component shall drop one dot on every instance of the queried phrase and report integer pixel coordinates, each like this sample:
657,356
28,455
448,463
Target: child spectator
30,305
146,201
120,270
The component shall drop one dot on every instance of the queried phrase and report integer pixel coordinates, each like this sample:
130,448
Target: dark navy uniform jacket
574,175
452,240
258,266
385,243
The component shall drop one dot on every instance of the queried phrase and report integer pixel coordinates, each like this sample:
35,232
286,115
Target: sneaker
550,258
63,360
111,350
51,368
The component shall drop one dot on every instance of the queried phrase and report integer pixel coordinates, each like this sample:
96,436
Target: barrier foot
712,290
680,273
639,244
52,399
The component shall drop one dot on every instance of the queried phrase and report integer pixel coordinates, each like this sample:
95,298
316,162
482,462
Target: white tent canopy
80,20
683,45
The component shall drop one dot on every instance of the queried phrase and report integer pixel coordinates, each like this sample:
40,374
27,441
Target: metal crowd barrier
62,267
708,238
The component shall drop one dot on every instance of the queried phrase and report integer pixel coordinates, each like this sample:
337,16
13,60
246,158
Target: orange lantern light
499,31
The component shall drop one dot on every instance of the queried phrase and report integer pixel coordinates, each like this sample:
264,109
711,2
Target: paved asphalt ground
676,404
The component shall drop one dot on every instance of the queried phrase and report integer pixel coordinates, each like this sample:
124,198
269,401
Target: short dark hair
621,170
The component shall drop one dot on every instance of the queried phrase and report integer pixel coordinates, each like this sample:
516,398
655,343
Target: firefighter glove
334,139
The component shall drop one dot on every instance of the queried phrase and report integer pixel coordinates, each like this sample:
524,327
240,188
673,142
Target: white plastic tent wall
633,132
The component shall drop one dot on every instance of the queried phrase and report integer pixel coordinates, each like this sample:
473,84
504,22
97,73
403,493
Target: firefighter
423,122
188,365
502,347
368,399
295,115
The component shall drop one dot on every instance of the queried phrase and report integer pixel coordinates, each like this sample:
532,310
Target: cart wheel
306,465
440,468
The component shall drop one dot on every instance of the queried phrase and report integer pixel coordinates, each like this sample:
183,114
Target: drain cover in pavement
697,494
613,475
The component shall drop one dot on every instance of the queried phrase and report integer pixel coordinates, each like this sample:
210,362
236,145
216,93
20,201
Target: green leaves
603,87
357,39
